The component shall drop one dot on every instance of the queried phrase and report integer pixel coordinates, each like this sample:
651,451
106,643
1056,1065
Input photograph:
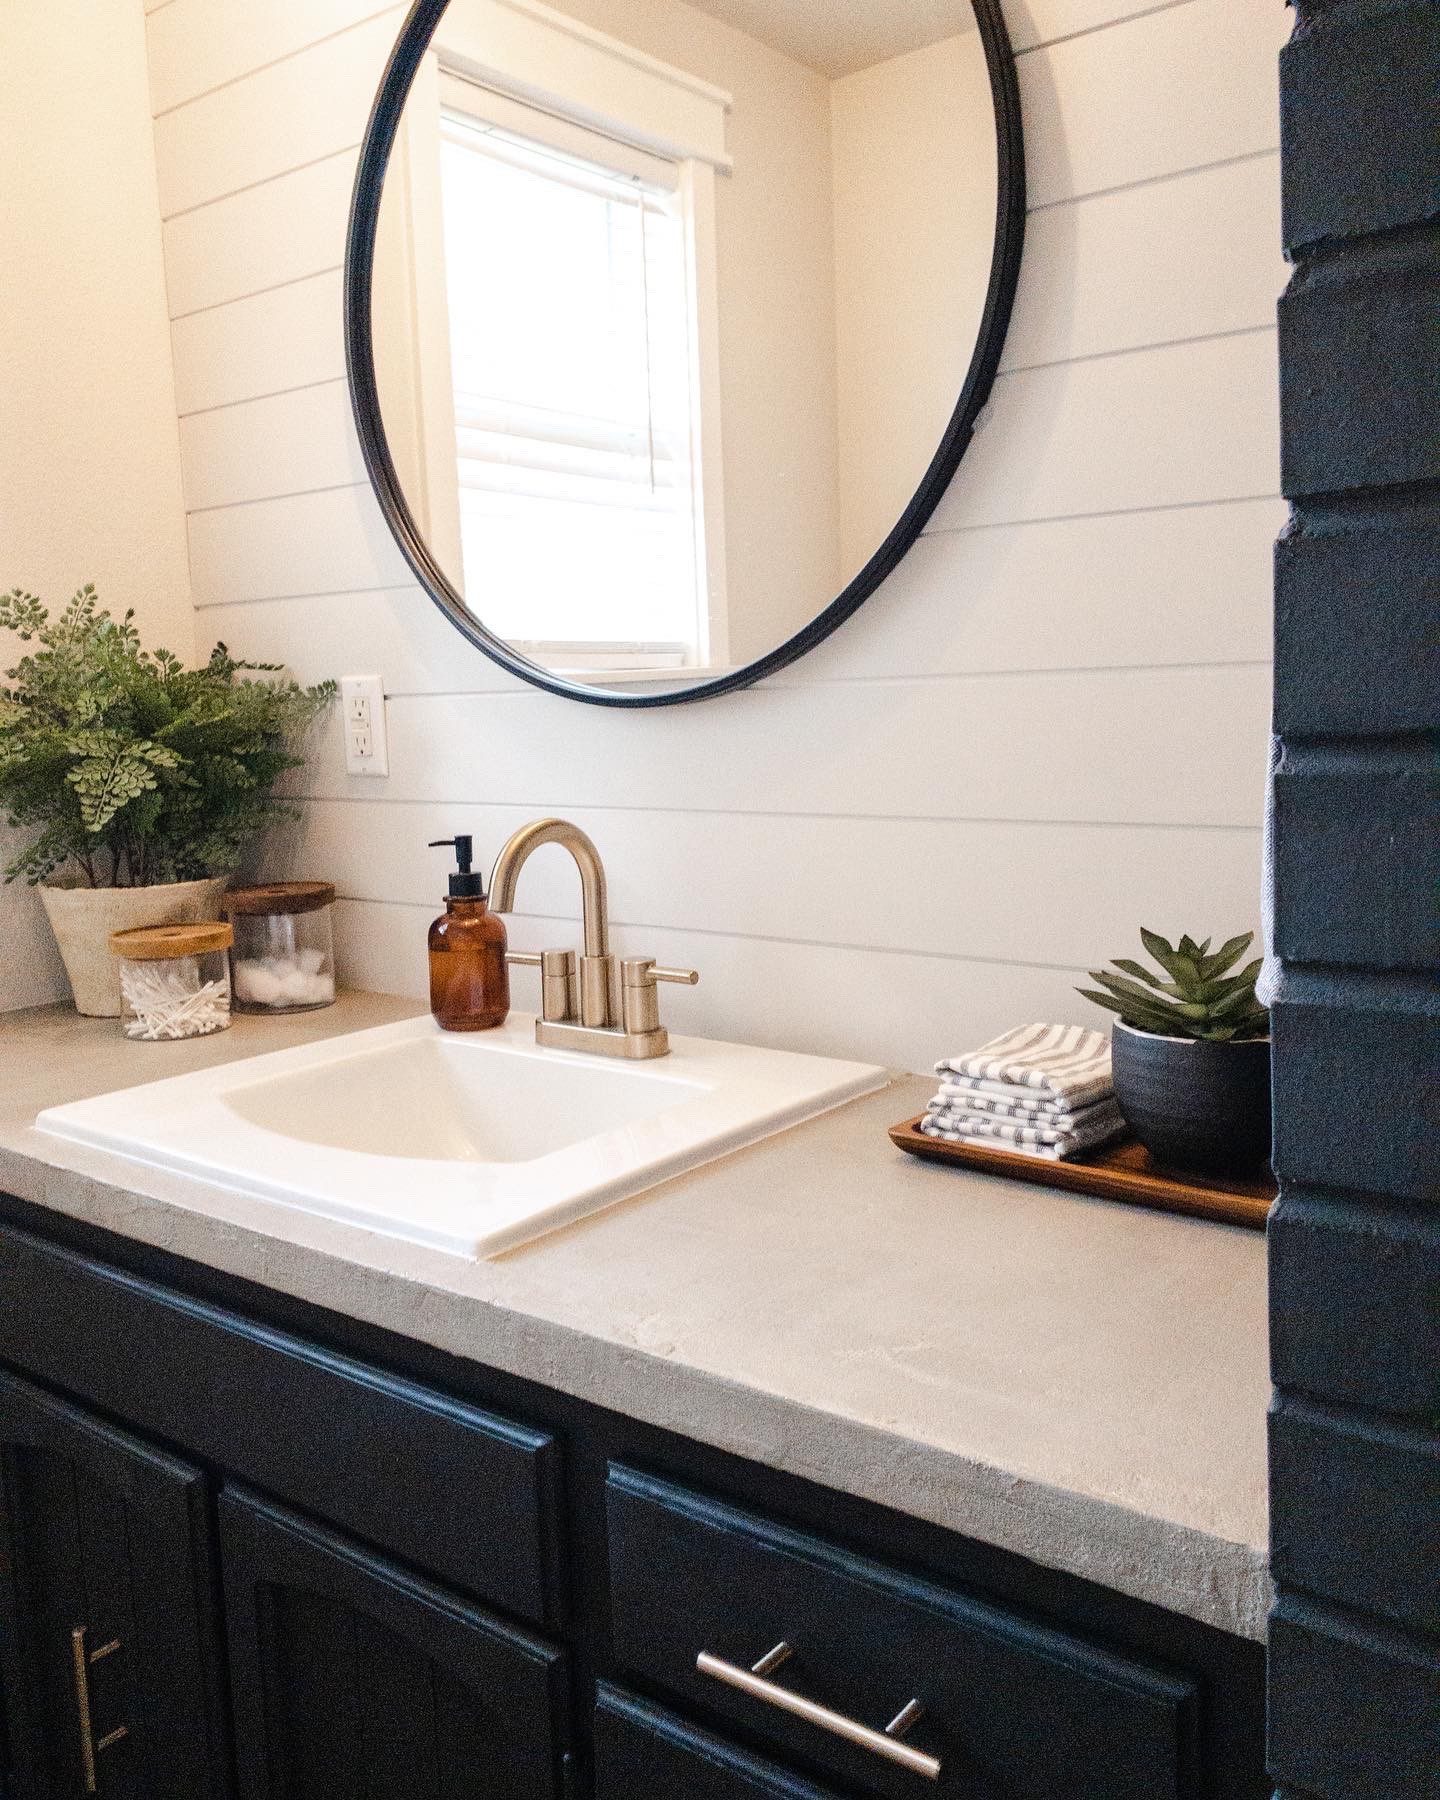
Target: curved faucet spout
590,1008
514,856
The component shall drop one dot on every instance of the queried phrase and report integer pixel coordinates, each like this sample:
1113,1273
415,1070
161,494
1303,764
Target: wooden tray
1121,1171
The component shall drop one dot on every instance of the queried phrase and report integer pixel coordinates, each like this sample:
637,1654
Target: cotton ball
295,986
310,961
257,984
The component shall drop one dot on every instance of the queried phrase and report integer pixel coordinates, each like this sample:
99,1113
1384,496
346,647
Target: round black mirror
668,321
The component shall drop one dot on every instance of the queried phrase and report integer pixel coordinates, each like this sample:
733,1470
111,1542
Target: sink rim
182,1124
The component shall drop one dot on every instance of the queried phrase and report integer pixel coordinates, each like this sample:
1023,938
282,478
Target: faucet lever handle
685,977
642,972
642,1002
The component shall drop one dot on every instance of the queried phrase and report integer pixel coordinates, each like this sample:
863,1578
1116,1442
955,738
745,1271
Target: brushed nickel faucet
602,1005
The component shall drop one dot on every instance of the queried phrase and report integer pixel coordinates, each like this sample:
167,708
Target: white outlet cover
362,719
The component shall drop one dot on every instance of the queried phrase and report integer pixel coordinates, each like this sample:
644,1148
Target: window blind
571,328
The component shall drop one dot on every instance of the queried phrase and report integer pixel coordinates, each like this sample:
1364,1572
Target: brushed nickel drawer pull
80,1661
884,1743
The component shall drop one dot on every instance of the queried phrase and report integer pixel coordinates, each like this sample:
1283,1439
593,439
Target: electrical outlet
362,713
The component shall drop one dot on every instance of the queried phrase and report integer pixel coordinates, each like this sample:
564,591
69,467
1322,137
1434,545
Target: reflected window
572,355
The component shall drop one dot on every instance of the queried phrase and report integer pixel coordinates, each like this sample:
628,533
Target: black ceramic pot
1195,1105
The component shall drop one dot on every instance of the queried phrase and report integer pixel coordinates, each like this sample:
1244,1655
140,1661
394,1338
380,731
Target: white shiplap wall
1049,726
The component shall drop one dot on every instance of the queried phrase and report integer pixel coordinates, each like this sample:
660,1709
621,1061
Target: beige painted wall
90,484
915,180
1050,724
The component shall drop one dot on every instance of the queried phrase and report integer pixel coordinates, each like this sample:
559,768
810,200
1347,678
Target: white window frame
530,69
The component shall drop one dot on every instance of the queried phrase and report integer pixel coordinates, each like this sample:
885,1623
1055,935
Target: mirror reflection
672,306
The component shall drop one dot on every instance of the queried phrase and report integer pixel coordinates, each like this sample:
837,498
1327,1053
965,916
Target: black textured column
1355,1238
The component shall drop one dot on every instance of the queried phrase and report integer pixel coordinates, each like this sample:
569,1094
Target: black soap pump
469,977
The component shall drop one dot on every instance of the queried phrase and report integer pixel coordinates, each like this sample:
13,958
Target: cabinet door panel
105,1556
355,1680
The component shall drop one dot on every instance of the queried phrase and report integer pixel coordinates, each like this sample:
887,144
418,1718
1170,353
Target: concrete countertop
1081,1382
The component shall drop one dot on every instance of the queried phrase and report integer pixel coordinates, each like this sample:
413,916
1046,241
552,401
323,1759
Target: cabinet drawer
1012,1710
641,1749
457,1491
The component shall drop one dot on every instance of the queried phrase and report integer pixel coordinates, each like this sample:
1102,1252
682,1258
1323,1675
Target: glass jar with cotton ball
283,958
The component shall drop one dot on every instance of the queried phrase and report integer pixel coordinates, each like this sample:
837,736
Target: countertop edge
1177,1567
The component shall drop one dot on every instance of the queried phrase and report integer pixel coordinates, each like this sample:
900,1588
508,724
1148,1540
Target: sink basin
472,1144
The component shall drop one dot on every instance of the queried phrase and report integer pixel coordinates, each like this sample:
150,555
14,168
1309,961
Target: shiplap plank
1157,427
281,231
288,338
1032,22
280,118
1184,746
1186,258
902,1011
1152,428
397,632
1150,96
201,44
309,544
744,875
1188,586
287,444
1191,585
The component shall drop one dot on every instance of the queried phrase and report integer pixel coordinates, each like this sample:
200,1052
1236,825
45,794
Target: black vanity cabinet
352,1677
292,1557
108,1611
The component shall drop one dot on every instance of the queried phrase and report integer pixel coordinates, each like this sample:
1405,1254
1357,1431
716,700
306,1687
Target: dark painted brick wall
1356,331
1358,590
1361,1723
1368,818
1355,1236
1356,1316
1361,152
1357,1511
1357,1082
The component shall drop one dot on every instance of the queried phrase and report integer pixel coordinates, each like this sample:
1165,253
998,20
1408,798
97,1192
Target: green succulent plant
1201,998
126,765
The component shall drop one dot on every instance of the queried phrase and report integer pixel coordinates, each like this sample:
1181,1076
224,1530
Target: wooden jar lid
274,897
164,943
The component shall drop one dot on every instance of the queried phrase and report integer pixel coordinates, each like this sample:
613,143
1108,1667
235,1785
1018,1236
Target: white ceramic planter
82,919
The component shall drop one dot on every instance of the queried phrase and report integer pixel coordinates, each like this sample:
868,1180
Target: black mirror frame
379,141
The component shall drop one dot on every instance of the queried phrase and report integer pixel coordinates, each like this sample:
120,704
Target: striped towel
1082,1130
1042,1152
996,1097
1056,1062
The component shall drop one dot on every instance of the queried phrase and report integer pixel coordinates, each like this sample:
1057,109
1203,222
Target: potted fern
1191,1053
140,782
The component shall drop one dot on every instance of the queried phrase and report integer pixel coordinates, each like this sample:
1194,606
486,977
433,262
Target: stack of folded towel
1043,1090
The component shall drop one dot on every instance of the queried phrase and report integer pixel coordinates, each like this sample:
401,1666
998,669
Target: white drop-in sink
470,1143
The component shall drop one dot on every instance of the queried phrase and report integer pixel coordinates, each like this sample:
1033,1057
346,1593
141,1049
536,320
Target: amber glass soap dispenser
469,977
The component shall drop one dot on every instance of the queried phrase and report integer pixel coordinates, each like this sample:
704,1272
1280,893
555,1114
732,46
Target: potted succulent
1191,1053
140,781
